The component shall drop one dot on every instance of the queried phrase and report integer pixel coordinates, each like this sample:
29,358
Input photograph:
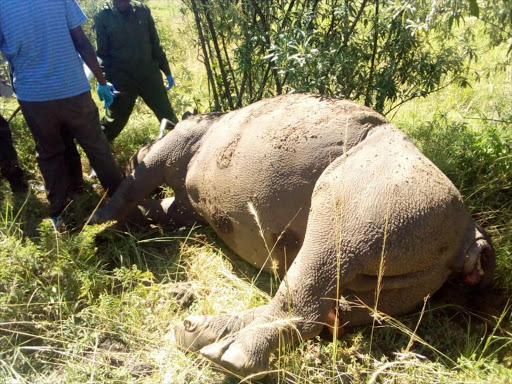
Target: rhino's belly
260,218
257,196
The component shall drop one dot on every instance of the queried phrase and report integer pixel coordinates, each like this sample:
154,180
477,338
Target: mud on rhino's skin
226,154
222,222
333,186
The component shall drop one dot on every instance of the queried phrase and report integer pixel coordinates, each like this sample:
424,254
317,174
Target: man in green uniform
9,166
132,57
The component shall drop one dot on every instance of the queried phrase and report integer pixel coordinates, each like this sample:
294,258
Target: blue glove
106,93
170,82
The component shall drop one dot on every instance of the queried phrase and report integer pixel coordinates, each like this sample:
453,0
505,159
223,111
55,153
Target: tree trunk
209,72
213,34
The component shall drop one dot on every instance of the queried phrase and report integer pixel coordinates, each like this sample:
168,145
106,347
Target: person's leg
117,115
9,166
74,163
154,94
82,119
41,118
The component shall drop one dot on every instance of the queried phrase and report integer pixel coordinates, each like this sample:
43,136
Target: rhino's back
270,155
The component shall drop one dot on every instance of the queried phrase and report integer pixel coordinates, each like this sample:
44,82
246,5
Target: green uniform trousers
9,167
154,94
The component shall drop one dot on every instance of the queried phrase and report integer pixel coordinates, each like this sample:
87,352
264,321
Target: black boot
17,180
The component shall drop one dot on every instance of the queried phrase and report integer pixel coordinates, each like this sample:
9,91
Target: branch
269,43
487,119
227,93
229,65
353,26
416,95
374,54
263,82
209,72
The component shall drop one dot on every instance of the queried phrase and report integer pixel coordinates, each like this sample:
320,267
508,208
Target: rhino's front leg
170,212
164,161
150,174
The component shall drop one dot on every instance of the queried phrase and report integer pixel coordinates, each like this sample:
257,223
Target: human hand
170,82
106,93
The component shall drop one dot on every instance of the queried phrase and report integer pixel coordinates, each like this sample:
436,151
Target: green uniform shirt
128,44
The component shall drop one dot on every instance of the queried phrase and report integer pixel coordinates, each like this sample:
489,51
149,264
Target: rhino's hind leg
299,310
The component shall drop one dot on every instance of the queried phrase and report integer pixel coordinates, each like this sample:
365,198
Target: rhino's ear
187,114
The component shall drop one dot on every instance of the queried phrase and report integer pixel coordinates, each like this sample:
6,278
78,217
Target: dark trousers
54,124
154,94
9,166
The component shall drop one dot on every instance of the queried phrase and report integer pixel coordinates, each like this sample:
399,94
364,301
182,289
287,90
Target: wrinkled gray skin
335,186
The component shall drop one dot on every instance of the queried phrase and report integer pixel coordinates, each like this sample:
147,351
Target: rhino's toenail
190,326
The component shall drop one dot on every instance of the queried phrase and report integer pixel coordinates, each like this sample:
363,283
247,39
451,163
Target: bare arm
85,49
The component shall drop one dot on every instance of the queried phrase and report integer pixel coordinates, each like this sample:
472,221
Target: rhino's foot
197,332
98,217
237,355
247,352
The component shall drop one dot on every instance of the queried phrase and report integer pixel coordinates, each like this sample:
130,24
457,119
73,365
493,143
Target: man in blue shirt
41,41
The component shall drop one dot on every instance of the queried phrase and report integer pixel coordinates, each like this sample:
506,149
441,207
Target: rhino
327,193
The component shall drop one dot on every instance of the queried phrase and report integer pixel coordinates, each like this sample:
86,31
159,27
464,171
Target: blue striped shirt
35,40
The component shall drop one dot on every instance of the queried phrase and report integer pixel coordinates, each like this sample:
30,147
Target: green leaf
474,10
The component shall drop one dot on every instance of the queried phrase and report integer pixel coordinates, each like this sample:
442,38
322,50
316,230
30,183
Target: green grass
97,305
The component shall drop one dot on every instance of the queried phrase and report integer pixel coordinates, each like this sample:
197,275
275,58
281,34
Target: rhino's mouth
479,266
474,277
